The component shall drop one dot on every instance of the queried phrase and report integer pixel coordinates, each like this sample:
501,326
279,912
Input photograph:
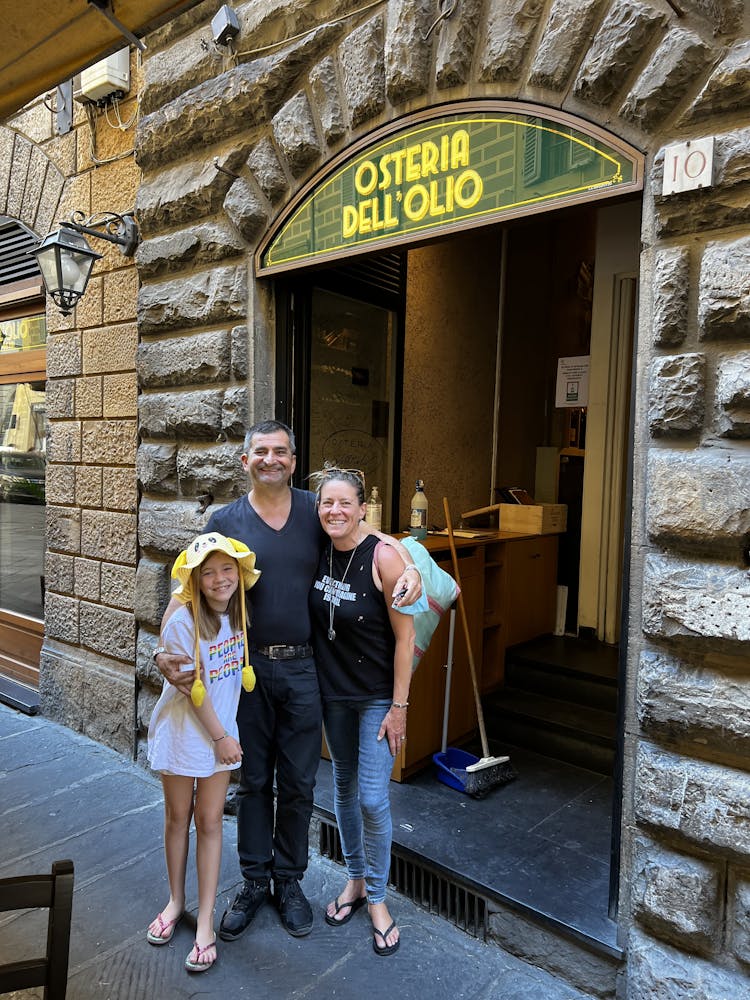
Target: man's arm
168,664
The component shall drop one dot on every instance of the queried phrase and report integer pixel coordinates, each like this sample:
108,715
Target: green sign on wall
455,171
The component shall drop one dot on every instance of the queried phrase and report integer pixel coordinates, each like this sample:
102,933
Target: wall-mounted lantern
66,259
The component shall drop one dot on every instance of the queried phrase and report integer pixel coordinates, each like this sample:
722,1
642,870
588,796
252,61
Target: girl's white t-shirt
177,742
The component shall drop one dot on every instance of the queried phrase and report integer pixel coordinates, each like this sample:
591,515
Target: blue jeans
362,772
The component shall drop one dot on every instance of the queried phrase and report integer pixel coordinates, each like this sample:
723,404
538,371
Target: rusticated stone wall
86,665
226,140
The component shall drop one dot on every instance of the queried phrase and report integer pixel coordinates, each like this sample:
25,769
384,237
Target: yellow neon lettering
444,152
464,200
435,207
365,221
349,221
398,157
366,178
460,149
391,220
449,186
415,214
385,174
430,155
412,164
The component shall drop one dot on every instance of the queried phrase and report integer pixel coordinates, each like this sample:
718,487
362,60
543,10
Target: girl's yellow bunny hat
182,571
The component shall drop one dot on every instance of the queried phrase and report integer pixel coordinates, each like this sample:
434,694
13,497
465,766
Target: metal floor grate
423,885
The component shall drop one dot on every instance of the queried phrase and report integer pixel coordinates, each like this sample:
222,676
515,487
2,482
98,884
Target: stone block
670,296
362,70
118,586
120,395
17,182
732,159
187,360
47,212
676,402
727,87
676,896
168,527
295,134
119,489
214,470
659,972
60,398
109,441
64,353
146,671
695,211
109,535
733,395
108,712
703,804
456,38
89,396
58,573
201,244
693,600
689,703
180,195
90,308
724,291
267,170
63,529
234,414
111,348
508,33
89,486
699,498
181,64
62,681
34,183
201,299
245,209
239,352
60,484
565,38
120,298
157,467
195,414
739,916
617,49
108,631
146,704
406,57
681,58
87,573
61,617
324,86
152,592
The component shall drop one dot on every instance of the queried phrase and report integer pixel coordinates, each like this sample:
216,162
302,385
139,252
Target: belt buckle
272,652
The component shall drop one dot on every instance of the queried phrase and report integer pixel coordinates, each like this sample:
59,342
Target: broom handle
465,623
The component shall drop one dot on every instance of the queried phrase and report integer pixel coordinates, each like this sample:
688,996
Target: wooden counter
509,583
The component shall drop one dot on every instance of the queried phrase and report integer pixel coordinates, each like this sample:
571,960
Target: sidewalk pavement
65,796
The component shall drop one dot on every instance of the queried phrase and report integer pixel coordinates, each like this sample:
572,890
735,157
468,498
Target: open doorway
465,366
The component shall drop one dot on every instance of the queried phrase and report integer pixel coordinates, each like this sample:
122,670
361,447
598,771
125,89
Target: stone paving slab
66,796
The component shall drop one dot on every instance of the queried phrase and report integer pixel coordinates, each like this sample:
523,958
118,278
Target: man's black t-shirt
287,560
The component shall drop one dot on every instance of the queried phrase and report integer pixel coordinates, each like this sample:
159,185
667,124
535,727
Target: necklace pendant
331,634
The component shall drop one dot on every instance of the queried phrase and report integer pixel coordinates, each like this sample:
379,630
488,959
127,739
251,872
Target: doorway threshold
538,846
19,696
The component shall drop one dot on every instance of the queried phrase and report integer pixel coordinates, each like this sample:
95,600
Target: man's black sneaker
294,909
247,902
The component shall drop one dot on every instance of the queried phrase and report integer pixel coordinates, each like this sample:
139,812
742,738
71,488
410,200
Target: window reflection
26,334
22,495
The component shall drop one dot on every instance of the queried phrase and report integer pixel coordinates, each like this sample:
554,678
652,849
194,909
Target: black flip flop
389,949
354,904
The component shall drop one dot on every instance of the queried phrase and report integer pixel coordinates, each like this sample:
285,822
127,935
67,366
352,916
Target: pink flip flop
164,925
199,966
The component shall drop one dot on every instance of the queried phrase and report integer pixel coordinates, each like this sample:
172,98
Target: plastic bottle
374,513
418,520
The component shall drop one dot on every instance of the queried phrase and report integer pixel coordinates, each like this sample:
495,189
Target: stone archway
32,184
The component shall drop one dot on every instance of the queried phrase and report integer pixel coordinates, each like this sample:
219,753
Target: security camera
224,25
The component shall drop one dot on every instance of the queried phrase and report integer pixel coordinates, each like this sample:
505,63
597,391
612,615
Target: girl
193,742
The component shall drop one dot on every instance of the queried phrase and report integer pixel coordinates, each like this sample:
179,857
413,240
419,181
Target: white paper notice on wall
572,381
688,166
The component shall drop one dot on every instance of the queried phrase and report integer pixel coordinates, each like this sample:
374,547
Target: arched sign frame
412,124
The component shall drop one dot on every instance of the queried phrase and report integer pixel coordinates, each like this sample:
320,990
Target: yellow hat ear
198,692
248,678
179,562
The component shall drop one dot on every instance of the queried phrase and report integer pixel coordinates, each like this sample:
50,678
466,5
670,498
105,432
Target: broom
487,772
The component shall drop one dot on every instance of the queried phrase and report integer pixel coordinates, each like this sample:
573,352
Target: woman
363,651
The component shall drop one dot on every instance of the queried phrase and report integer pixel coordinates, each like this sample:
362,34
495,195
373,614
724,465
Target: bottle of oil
418,520
374,512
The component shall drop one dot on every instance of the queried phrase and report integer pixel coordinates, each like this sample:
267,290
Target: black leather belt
283,652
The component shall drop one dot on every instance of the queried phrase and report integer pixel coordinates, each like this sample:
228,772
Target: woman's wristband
219,738
400,704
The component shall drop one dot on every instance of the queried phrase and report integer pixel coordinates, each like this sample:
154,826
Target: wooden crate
537,519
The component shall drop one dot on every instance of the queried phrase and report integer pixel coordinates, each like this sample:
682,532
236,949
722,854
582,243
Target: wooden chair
53,892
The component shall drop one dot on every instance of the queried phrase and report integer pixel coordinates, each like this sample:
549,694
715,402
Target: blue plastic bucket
452,758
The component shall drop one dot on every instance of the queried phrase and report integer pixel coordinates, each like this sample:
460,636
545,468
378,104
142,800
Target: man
280,722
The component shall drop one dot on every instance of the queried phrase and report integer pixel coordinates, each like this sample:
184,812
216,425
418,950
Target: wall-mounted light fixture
66,259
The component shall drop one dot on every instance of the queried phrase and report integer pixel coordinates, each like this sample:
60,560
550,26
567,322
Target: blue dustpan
449,758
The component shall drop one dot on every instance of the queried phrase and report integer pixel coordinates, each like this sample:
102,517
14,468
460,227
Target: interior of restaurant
440,362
